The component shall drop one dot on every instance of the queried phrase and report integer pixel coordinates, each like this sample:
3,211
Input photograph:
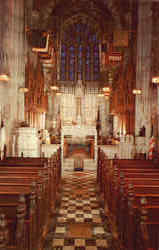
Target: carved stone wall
27,143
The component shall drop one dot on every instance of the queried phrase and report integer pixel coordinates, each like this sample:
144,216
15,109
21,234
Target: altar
79,133
78,113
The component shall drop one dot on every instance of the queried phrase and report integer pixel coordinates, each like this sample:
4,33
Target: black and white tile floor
80,222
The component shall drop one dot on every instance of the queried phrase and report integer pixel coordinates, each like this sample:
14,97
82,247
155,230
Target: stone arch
83,18
110,6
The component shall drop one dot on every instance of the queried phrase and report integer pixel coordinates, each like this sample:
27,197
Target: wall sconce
23,90
155,79
100,95
54,87
4,67
137,91
106,89
4,77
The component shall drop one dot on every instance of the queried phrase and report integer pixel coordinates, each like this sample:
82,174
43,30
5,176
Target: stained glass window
79,53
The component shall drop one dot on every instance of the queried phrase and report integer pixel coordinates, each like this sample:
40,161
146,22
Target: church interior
79,125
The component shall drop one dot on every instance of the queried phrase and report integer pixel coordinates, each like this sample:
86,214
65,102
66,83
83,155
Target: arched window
79,53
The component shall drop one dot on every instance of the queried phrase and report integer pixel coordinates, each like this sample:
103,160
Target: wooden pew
112,178
18,174
22,161
42,183
134,215
122,182
146,187
148,233
19,208
144,176
20,183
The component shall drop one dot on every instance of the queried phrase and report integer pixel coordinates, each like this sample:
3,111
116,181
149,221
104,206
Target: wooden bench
125,212
19,207
16,179
115,177
22,161
133,216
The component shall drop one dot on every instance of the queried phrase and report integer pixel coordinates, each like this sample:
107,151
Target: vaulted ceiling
106,16
50,13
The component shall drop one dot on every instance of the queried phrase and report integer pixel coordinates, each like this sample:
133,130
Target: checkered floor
80,221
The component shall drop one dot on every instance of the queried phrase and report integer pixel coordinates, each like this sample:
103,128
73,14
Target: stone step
68,164
90,164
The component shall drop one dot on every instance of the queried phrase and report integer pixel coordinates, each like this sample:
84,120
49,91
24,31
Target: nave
80,219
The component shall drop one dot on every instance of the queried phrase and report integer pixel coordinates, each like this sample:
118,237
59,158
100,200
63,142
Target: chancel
79,105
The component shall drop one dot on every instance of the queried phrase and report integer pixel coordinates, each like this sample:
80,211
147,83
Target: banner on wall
115,57
109,55
120,38
151,147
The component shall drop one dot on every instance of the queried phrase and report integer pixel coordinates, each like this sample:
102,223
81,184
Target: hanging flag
115,57
120,38
151,148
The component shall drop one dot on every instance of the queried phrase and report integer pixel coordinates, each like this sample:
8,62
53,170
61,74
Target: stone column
107,115
50,113
18,63
102,116
143,68
14,41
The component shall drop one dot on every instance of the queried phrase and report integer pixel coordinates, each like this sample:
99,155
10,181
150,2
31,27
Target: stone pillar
104,115
143,69
50,113
107,115
14,42
17,57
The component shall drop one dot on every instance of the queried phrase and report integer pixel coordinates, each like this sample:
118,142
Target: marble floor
80,222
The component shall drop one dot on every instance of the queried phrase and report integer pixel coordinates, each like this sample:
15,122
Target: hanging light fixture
100,95
137,91
54,87
23,90
155,79
106,89
4,68
58,93
106,92
4,77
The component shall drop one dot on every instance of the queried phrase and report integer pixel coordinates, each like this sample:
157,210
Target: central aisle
80,222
